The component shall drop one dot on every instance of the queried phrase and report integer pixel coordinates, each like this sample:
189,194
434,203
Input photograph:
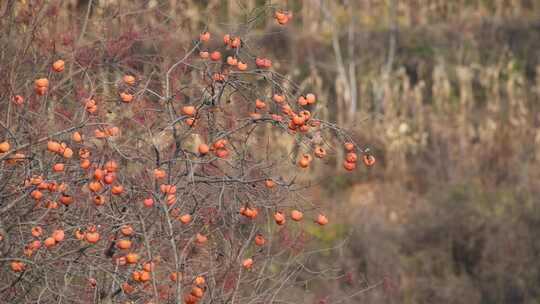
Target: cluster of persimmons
82,173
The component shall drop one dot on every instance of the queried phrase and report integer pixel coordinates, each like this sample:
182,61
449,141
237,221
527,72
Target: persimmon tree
153,182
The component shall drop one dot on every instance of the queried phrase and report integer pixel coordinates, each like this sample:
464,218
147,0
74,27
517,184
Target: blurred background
447,96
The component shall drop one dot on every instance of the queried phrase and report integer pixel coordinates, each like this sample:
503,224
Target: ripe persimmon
242,66
109,178
99,134
99,174
310,98
277,117
201,238
170,189
36,179
117,189
36,231
232,61
35,244
28,251
90,106
305,114
99,200
92,237
123,244
190,299
120,261
259,240
132,258
263,62
298,120
79,235
111,166
278,98
58,235
282,17
303,128
185,218
84,153
204,37
199,281
204,55
170,199
148,202
219,77
127,288
188,110
247,263
196,291
287,110
269,183
149,266
66,199
203,149
296,215
351,157
112,131
129,79
18,100
249,212
159,173
126,230
49,242
53,146
215,56
368,159
259,104
36,194
68,153
220,143
222,153
17,266
174,276
43,186
136,276
16,158
235,42
279,218
92,282
51,204
41,86
94,186
145,276
349,166
76,137
304,161
59,167
302,101
319,152
4,147
321,220
58,65
126,97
